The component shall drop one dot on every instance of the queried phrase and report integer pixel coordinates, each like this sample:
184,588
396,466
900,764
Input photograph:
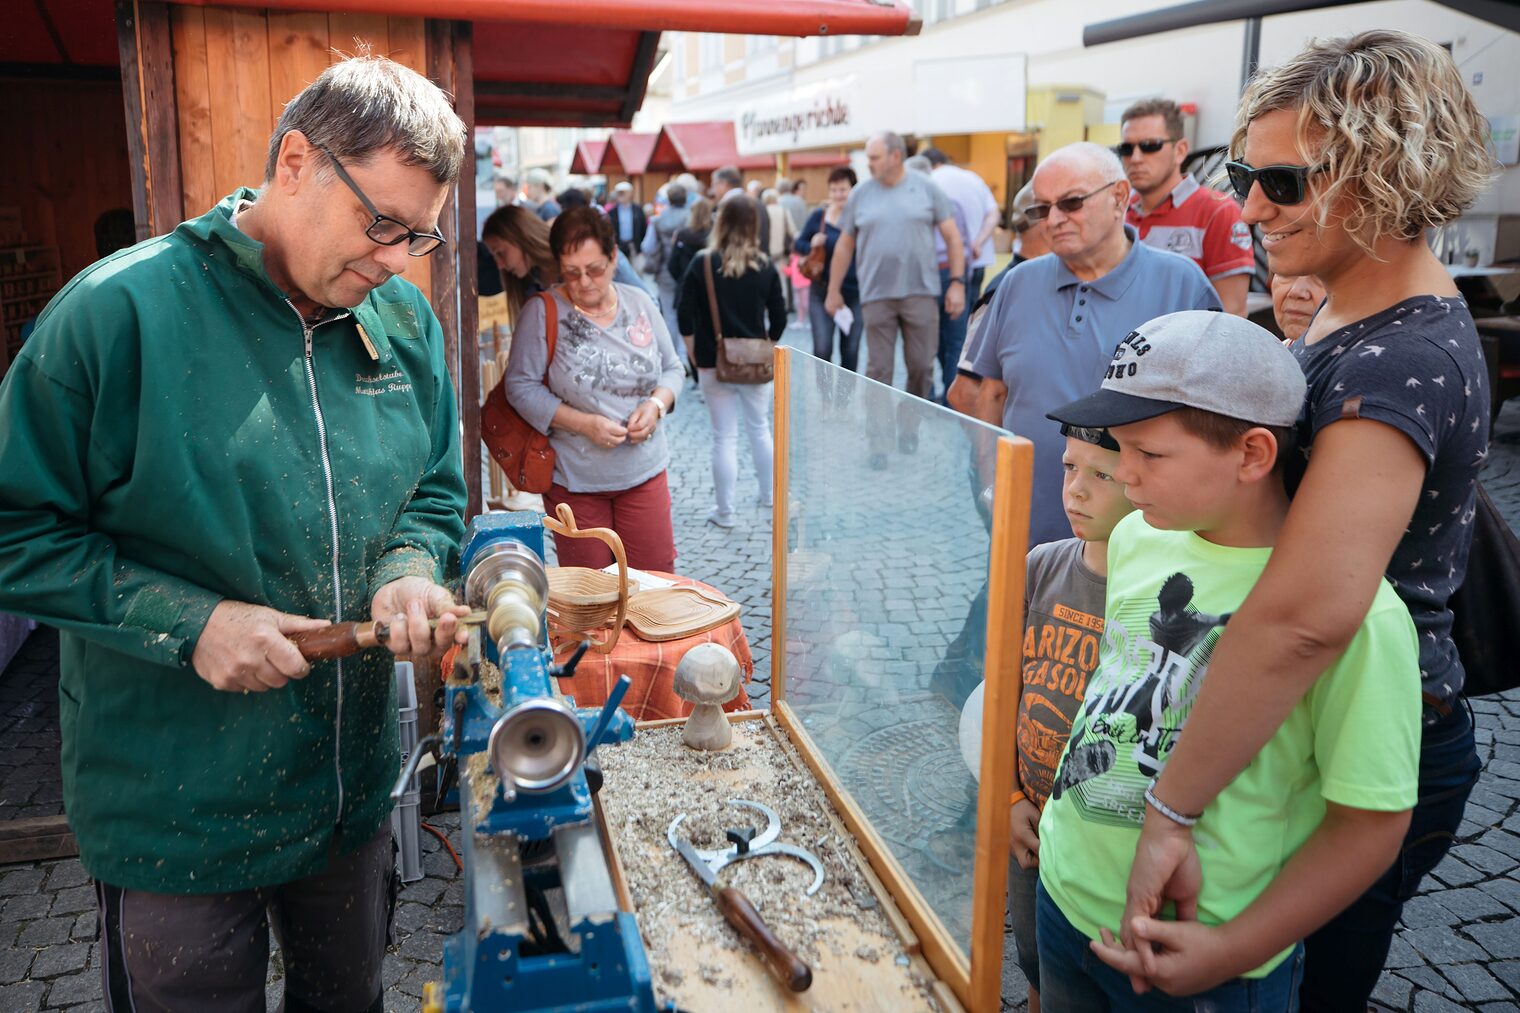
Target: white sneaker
721,519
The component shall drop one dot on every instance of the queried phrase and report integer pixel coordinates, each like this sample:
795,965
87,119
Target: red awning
701,147
537,63
628,152
588,158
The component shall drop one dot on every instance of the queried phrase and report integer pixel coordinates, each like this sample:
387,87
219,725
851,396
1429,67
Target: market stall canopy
701,147
588,158
535,63
628,152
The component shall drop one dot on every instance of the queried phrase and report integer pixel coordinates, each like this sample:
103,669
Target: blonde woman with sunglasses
1344,158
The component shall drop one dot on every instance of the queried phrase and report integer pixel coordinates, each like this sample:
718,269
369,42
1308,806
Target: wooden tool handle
336,641
741,914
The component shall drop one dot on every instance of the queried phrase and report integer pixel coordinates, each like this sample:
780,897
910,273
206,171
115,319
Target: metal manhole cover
910,780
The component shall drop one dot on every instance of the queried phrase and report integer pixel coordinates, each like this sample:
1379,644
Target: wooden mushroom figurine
708,676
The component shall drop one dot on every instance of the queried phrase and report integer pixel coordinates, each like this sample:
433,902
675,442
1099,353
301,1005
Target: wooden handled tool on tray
343,639
741,914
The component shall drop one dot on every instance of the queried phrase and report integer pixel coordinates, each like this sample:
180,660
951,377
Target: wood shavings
697,957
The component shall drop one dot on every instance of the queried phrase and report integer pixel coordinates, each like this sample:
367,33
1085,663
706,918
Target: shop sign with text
812,117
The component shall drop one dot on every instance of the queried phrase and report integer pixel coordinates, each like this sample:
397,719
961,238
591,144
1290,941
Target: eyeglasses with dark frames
1070,205
1149,147
1280,184
386,230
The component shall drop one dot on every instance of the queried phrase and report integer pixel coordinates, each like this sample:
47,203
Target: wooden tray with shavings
670,613
863,953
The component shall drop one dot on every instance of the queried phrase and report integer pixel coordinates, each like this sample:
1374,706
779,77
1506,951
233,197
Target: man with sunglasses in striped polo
1173,211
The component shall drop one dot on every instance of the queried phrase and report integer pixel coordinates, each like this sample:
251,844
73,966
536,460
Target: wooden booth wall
234,72
71,165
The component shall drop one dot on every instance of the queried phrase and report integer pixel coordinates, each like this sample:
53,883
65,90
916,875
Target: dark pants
1344,958
174,952
952,330
1074,980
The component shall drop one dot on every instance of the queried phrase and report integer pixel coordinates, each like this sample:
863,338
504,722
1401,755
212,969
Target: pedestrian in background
613,379
628,219
795,206
978,218
747,289
782,235
1295,300
1053,325
659,243
537,193
727,183
519,244
822,229
888,228
1172,211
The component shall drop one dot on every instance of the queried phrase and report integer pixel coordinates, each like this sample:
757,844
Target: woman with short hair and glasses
614,377
1345,157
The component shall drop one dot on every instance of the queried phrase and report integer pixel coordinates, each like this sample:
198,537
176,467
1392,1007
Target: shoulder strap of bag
551,330
712,296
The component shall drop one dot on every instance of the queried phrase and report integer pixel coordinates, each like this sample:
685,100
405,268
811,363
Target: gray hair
1101,160
367,104
540,177
783,186
918,163
729,174
1018,221
676,194
771,195
893,142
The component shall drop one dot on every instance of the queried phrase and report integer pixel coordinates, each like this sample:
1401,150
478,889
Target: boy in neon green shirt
1199,404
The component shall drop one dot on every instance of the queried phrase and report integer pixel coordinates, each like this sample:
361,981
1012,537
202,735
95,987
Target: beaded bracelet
1166,810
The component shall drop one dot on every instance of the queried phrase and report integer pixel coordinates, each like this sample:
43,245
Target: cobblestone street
1457,949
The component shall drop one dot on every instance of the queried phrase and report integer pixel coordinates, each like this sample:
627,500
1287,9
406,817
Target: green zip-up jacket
173,435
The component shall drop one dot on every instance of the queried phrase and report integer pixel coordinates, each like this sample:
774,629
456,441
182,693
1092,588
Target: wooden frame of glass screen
977,981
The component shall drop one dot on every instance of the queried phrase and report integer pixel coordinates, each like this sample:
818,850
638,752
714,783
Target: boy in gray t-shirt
1063,623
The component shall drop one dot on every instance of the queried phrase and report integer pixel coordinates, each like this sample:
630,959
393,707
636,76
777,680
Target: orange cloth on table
650,664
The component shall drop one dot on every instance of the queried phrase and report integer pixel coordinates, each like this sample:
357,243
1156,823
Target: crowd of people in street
1207,495
1168,435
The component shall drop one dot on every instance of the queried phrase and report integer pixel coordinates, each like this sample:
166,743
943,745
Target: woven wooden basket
582,599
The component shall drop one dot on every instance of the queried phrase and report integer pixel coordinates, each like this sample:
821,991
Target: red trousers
640,516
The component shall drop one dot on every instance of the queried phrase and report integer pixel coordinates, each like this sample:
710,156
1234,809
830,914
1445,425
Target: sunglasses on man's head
1147,147
1280,184
1070,205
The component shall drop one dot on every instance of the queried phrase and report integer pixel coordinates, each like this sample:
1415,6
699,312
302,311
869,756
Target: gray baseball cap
1194,359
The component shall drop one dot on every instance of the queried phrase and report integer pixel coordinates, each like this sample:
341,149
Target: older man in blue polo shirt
1053,325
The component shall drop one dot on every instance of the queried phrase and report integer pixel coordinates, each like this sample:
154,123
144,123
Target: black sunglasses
1148,147
1280,184
1071,205
386,230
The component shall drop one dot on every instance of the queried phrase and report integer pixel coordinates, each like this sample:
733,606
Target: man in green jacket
216,438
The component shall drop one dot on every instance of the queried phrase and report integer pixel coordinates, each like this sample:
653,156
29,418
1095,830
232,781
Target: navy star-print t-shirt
1417,366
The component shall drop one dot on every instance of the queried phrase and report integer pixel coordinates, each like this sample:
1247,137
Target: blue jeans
1345,957
1074,980
824,331
952,333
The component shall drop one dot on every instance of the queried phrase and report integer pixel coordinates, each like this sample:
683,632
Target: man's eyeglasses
1149,147
595,272
386,230
1280,184
1070,205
